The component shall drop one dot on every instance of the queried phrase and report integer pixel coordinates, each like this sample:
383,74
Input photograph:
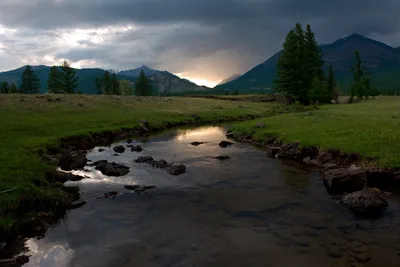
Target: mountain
381,61
230,78
163,82
136,72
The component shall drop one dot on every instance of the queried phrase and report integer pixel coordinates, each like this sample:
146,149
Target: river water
246,211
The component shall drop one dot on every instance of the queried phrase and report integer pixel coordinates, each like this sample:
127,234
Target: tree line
63,80
300,73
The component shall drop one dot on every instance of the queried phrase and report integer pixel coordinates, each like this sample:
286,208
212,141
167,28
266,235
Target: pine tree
286,67
4,88
68,80
361,85
115,87
126,87
30,83
54,81
313,53
98,83
317,91
331,85
106,81
142,87
13,89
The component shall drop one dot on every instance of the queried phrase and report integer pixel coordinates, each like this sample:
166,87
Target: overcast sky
203,40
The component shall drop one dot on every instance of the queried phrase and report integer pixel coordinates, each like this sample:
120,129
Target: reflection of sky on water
48,255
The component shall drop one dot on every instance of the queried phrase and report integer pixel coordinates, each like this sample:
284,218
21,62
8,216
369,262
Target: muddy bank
343,174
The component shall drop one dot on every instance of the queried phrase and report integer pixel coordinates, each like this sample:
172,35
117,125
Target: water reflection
247,211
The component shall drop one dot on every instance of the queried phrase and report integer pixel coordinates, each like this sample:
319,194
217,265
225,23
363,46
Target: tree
317,91
126,87
30,83
142,87
331,86
98,83
54,84
106,81
361,85
300,62
4,88
13,88
68,81
115,87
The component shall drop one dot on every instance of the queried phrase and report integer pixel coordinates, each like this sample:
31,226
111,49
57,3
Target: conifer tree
331,84
361,83
30,83
68,80
13,89
313,54
142,86
106,83
115,87
4,88
98,83
54,81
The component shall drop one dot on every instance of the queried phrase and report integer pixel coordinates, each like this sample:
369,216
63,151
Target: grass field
370,128
29,122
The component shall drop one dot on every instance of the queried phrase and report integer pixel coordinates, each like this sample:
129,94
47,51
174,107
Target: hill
163,82
230,78
381,61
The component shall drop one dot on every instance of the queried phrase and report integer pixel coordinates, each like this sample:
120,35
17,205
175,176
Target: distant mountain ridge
230,78
163,82
380,60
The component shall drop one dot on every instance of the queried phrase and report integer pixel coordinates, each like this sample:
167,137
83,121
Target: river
246,211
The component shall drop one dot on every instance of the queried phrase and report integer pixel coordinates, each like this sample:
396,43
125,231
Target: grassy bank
28,123
370,128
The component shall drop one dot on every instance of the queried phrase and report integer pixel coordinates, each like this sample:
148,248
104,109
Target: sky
204,41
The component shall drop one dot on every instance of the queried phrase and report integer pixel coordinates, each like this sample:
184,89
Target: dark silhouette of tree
30,83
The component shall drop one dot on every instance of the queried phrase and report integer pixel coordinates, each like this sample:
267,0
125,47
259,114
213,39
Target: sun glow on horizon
198,81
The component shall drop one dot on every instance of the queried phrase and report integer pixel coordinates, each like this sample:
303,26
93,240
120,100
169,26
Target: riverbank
370,129
34,126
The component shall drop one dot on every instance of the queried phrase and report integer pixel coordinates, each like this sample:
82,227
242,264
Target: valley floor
29,123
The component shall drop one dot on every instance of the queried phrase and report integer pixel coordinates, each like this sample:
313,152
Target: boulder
101,149
367,202
145,159
72,161
132,187
325,157
196,143
57,176
225,144
129,141
119,149
136,148
272,151
328,166
343,180
222,157
139,189
112,169
290,151
158,163
111,194
176,169
77,204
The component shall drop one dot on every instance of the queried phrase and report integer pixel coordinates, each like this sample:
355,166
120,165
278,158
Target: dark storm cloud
174,34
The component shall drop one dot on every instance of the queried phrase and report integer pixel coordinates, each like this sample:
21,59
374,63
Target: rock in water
145,159
77,204
119,149
367,202
111,169
196,143
222,157
343,180
72,161
225,143
161,164
101,149
176,169
137,148
272,151
132,187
